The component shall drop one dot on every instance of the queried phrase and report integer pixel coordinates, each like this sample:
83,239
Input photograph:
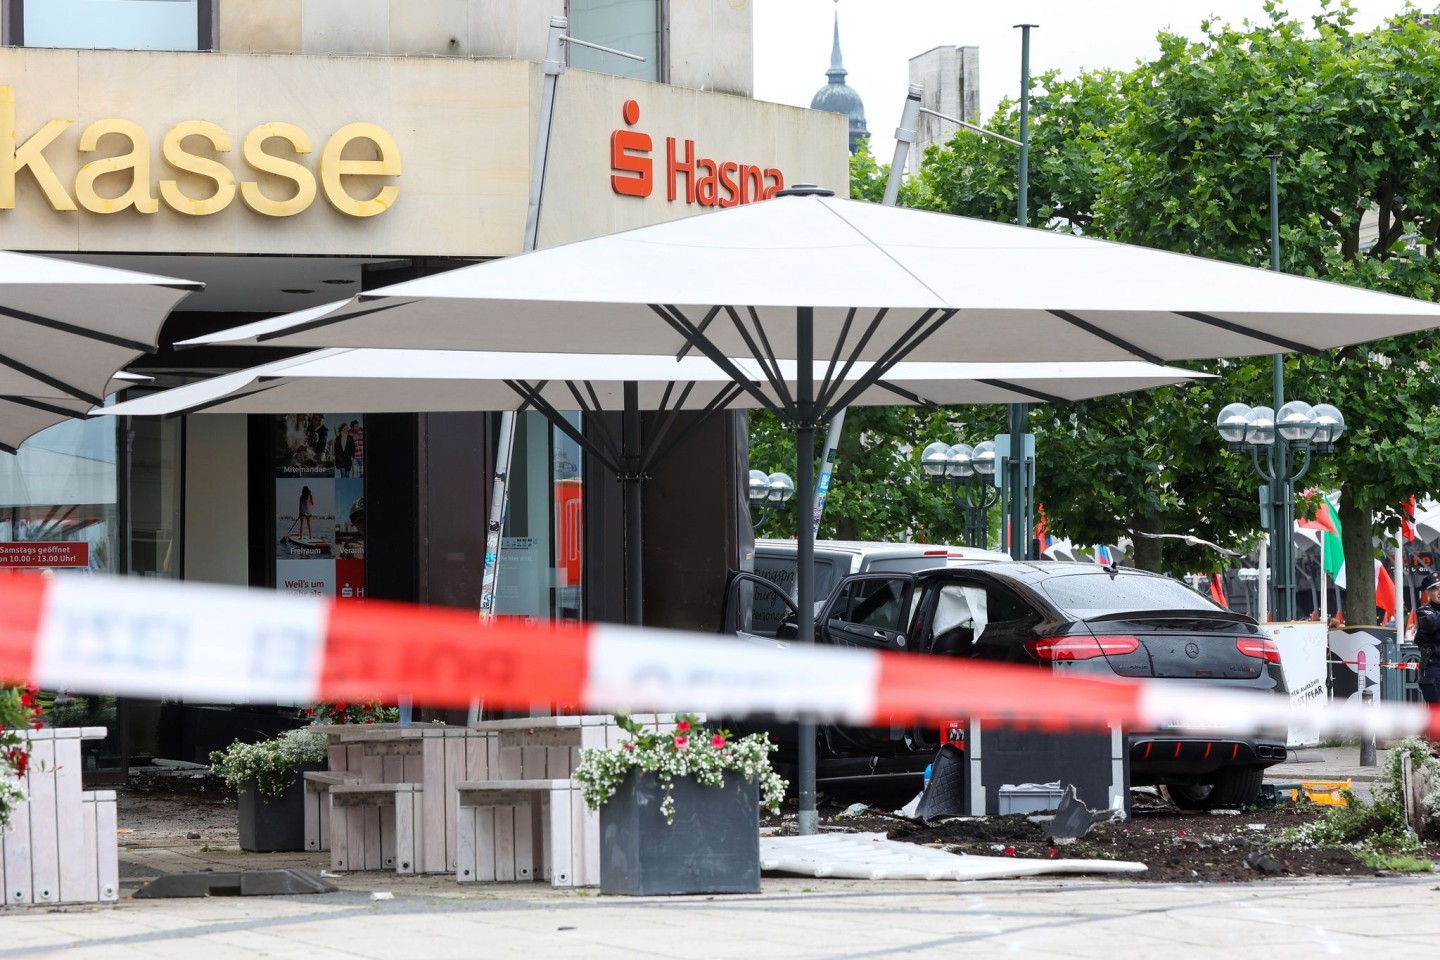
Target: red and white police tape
151,638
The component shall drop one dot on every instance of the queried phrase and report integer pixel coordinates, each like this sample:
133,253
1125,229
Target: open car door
756,608
870,610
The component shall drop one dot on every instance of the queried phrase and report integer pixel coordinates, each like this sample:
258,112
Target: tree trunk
1357,535
1147,553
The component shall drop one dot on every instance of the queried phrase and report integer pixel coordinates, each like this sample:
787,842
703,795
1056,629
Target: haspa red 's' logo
708,182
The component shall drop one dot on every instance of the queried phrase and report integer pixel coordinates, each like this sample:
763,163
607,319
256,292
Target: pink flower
683,726
682,743
717,741
628,745
1009,851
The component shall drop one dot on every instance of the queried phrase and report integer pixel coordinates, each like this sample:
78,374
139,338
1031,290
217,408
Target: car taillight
1259,648
1063,649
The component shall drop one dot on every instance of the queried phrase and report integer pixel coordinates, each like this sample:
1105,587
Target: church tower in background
839,97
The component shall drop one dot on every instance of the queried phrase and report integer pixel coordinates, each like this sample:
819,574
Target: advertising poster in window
319,520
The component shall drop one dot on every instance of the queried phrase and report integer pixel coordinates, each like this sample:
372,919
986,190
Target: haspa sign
123,180
66,553
710,183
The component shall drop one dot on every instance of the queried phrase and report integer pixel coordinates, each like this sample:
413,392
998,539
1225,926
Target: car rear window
1085,595
907,564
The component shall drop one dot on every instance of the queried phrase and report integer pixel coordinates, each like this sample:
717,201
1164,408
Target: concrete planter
712,847
269,823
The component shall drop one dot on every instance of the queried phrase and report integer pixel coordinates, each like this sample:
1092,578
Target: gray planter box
712,847
275,823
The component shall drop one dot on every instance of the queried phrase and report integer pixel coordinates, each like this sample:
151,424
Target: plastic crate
1328,793
1029,797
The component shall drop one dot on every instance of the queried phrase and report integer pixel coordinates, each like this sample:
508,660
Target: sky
878,37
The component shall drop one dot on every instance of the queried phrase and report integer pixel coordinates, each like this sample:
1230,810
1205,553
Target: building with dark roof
839,97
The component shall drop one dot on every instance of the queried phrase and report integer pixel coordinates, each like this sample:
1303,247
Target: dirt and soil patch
160,807
1176,846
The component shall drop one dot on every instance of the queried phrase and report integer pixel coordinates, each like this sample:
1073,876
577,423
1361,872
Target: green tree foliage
1173,155
1355,122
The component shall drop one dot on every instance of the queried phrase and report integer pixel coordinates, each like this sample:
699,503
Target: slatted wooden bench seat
61,844
317,805
509,829
376,826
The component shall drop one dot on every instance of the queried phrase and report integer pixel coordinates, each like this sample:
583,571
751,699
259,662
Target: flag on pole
1332,556
1407,519
1217,591
1103,556
1384,590
1042,530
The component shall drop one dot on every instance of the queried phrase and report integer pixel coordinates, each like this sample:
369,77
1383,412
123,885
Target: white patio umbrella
67,327
411,381
23,417
811,276
392,381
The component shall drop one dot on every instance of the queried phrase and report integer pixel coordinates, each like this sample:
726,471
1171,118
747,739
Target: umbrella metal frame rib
630,459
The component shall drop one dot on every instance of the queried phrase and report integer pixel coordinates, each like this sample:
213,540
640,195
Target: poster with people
319,487
350,519
305,519
302,446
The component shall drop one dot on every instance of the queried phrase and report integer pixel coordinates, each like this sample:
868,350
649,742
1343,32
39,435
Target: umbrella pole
631,481
809,818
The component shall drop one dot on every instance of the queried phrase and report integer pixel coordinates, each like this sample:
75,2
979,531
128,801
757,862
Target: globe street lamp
970,472
1280,446
768,491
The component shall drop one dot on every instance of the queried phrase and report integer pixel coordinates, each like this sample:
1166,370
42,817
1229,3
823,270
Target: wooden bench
317,805
510,828
431,756
527,836
61,845
376,826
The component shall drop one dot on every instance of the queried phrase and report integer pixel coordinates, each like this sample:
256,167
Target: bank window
635,26
110,24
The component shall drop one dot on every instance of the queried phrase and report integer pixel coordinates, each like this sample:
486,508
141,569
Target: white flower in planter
703,754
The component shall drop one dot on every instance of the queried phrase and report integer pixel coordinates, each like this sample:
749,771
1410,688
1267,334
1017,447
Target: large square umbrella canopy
808,276
23,417
67,327
419,381
876,277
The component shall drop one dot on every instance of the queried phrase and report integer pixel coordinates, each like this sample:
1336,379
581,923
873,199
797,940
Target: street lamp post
1280,447
969,471
768,491
1286,439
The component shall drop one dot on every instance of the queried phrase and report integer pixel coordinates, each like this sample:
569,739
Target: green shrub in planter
270,763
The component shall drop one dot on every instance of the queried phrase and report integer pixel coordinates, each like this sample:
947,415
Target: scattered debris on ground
1177,846
1292,838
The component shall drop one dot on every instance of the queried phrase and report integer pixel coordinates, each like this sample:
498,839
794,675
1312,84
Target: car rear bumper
1169,755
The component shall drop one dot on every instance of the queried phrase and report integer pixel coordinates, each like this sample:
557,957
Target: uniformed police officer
1427,638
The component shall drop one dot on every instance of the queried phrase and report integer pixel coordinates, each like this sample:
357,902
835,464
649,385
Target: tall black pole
809,818
632,484
1018,535
1282,495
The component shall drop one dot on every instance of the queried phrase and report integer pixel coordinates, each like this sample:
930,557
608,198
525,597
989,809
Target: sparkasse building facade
290,153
